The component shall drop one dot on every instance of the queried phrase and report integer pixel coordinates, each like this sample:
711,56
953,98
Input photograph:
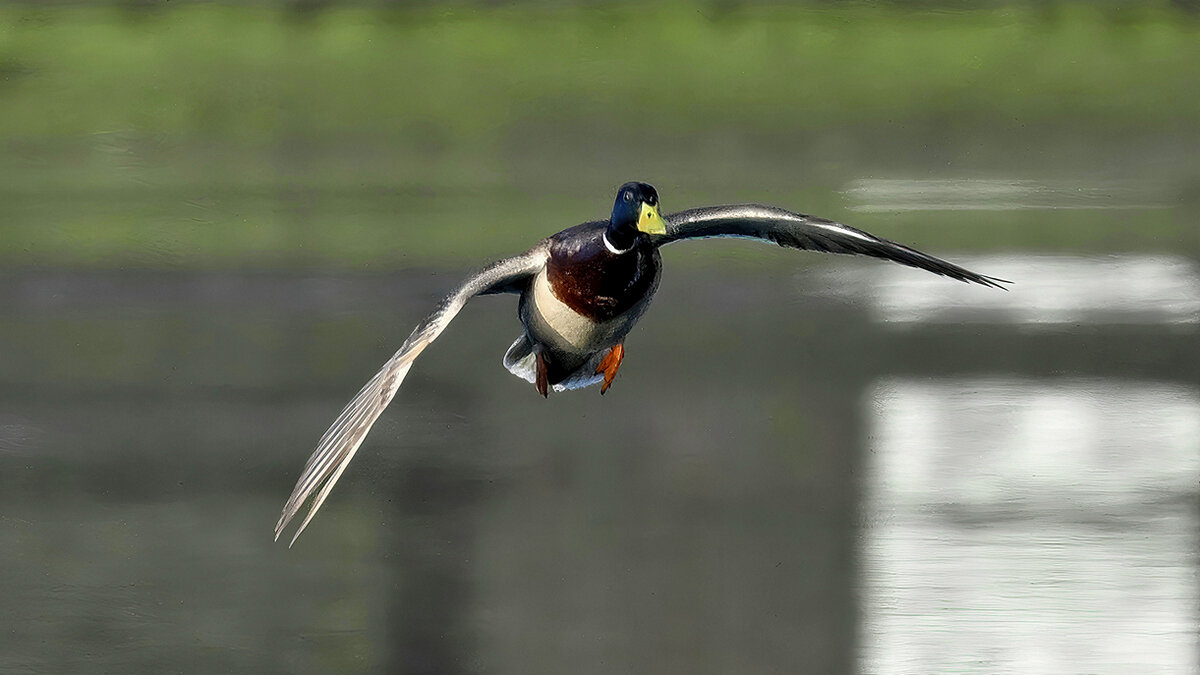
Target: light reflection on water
1030,526
966,194
1053,290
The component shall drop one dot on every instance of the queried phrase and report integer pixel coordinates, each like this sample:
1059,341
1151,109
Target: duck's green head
634,212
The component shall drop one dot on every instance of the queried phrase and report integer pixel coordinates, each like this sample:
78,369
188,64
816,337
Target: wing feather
343,438
796,230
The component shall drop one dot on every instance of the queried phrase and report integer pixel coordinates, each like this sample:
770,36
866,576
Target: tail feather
522,362
585,375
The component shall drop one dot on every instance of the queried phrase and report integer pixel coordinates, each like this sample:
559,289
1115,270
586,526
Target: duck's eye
628,196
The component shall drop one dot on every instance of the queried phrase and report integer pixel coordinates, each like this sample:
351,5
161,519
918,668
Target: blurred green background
217,220
345,136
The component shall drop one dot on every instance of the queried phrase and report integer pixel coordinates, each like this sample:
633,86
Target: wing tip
990,282
289,513
296,536
284,520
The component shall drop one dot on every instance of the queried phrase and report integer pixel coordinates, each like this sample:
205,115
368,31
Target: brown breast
592,280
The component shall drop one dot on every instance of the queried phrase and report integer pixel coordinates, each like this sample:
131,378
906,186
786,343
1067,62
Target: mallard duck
581,291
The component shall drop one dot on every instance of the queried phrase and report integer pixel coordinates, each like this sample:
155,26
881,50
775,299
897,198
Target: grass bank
252,74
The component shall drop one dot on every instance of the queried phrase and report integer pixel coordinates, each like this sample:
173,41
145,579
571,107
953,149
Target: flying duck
581,291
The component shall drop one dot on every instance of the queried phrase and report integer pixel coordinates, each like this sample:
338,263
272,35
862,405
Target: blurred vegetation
153,135
249,74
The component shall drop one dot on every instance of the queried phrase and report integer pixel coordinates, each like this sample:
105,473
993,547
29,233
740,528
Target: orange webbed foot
609,365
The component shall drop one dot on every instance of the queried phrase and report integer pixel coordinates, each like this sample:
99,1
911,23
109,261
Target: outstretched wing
341,441
796,230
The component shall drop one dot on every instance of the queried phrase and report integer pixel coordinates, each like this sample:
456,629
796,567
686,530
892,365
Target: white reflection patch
1132,289
1032,527
903,194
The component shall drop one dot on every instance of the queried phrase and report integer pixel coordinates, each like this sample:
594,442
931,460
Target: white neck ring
612,249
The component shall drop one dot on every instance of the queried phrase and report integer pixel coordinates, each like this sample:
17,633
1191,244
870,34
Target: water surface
777,477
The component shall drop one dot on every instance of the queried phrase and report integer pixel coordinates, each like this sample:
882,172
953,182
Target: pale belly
564,331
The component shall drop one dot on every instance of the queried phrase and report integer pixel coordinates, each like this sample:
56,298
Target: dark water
829,468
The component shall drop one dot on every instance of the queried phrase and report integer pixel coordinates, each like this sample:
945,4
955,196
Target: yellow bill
649,221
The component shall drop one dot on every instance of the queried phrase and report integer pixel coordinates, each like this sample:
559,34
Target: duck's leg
542,381
610,364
